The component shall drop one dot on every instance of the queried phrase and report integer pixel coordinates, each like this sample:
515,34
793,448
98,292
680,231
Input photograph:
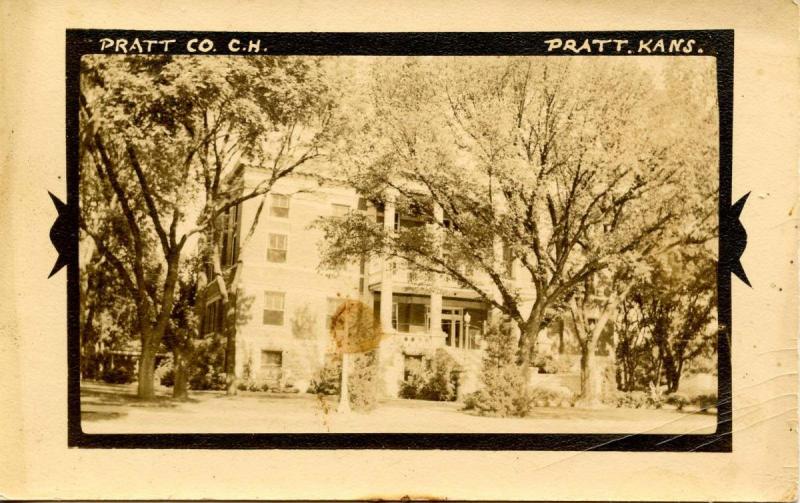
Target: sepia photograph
398,244
416,251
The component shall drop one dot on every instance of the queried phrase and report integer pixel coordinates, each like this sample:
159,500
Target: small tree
633,348
590,309
504,389
679,310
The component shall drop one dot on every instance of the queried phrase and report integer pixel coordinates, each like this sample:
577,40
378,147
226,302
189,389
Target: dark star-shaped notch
738,236
59,234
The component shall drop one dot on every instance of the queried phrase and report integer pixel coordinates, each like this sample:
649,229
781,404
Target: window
340,210
271,359
279,206
276,251
273,308
229,223
271,363
409,317
213,318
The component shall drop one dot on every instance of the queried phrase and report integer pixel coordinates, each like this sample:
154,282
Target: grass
116,409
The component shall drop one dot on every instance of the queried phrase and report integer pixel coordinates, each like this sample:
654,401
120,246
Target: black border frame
715,43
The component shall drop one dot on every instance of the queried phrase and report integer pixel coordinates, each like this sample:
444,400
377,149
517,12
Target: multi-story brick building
286,300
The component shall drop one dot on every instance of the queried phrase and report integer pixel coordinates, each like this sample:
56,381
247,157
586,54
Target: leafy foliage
578,169
328,378
551,396
161,140
668,321
434,378
362,383
120,374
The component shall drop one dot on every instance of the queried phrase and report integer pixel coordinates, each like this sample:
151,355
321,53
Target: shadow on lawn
97,415
124,395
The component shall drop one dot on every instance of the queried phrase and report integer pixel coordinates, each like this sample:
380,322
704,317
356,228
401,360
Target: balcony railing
418,339
404,275
420,342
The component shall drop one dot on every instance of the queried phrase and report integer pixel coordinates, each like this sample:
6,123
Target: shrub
705,401
679,400
655,397
206,367
433,379
417,375
471,401
211,380
550,364
326,381
551,396
165,373
504,393
632,399
118,375
363,381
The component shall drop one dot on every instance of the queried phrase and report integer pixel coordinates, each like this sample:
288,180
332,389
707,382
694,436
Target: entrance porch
459,324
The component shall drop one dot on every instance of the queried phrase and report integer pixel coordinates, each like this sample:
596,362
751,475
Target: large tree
162,140
563,164
684,124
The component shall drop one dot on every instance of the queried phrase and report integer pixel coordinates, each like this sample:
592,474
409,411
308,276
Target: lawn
116,409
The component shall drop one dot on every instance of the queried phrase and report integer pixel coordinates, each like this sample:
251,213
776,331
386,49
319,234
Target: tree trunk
668,364
673,375
529,335
147,363
152,336
591,377
180,386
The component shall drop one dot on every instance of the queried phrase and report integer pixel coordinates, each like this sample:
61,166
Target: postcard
279,255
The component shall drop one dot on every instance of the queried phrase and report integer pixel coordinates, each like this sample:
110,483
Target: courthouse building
286,301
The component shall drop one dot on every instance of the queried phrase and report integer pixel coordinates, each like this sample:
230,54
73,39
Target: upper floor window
273,308
276,250
279,206
229,223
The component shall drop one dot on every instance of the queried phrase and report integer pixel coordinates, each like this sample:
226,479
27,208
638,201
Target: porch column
436,293
387,275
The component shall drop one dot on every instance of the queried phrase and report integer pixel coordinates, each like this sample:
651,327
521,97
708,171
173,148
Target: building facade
286,301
